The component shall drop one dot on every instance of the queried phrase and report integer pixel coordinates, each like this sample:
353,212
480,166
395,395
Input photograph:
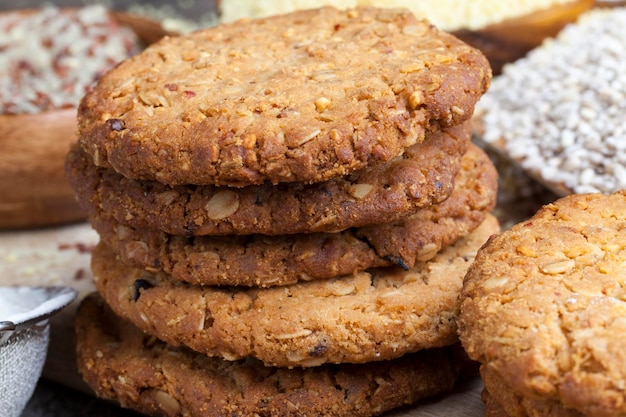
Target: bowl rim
49,301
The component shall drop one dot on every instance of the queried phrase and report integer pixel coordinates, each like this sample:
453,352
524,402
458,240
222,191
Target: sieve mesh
21,361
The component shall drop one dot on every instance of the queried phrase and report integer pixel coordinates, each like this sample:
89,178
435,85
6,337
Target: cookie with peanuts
372,315
259,260
544,305
121,363
300,97
387,192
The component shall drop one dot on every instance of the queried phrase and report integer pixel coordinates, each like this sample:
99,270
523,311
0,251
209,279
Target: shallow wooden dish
511,39
33,189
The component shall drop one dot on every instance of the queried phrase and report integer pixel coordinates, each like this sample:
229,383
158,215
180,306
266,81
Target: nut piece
137,249
308,137
167,197
123,232
293,335
428,252
494,282
558,267
413,67
360,191
526,251
222,205
249,141
167,403
322,104
415,99
457,110
324,75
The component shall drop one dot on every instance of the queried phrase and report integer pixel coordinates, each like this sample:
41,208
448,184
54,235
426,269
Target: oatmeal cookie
301,97
265,261
121,363
374,315
544,305
424,175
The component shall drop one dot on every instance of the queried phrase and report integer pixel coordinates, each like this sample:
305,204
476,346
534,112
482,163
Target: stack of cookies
287,207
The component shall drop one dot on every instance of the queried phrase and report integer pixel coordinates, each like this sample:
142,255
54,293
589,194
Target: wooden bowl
33,188
511,39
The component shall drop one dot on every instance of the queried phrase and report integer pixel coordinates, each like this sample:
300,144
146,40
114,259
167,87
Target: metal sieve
24,337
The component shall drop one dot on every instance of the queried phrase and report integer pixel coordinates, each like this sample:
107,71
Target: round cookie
544,305
266,261
302,97
121,363
424,175
374,315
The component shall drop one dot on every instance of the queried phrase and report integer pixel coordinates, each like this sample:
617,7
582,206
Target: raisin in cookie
301,97
544,305
265,261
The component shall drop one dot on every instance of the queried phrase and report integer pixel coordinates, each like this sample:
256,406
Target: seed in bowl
559,112
50,56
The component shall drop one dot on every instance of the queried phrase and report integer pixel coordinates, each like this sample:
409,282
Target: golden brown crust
500,401
121,363
422,235
374,315
302,97
380,194
492,407
266,261
252,260
544,305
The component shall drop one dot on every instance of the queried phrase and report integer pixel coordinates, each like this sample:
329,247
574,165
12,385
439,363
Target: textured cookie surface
375,315
544,305
422,235
501,401
387,192
121,363
279,260
300,97
492,407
